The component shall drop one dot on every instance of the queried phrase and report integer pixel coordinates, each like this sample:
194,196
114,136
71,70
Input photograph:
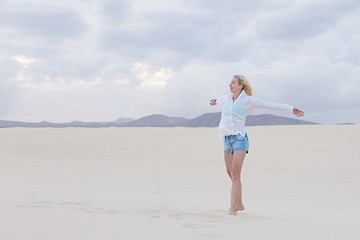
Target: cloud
44,21
152,77
8,87
23,60
339,43
311,82
68,59
51,84
188,30
303,19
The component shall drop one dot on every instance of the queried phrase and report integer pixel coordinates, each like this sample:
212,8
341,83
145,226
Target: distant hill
123,120
205,120
158,120
155,120
8,124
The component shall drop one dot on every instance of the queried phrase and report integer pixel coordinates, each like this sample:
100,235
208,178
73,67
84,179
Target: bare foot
232,212
239,208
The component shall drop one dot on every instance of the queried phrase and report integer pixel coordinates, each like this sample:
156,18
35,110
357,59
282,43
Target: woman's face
235,86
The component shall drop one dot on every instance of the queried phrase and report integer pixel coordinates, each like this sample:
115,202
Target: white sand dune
299,182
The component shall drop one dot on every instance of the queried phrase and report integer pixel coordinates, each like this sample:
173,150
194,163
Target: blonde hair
246,85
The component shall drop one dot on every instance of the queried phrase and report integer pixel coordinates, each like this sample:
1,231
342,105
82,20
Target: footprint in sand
37,204
73,203
85,207
100,210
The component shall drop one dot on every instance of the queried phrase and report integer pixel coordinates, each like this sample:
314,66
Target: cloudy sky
101,60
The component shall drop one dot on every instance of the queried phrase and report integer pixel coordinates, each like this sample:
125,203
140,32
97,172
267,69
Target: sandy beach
299,182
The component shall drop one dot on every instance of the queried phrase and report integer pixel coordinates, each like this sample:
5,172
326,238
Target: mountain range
158,120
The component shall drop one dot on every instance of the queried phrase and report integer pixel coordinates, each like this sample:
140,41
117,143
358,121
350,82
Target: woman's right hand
298,112
213,102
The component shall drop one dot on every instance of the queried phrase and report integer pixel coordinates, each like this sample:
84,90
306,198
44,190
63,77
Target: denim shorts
236,142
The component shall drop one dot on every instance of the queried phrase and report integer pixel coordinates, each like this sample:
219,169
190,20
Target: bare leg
239,206
228,162
236,189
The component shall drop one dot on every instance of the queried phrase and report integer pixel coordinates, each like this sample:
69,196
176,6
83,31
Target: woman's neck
236,95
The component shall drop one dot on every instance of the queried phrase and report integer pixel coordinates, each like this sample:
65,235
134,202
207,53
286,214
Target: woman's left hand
298,112
213,102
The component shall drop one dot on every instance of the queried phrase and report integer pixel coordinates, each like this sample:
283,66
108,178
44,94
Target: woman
236,107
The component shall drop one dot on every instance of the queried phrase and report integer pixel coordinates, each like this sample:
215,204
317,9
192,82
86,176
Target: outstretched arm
258,103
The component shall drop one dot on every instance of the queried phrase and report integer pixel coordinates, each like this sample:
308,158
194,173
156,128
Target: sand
299,182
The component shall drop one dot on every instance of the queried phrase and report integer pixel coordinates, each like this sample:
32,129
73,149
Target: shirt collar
243,93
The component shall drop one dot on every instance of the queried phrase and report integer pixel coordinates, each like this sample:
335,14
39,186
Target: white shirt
234,113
